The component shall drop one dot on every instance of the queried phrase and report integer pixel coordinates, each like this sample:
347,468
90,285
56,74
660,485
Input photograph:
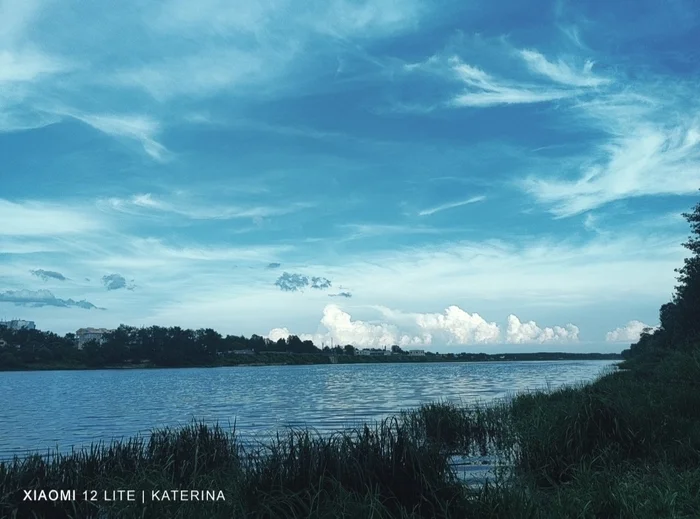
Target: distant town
24,347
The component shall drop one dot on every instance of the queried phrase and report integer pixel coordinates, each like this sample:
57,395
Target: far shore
300,359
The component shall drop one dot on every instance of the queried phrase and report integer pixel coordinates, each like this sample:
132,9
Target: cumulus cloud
291,282
452,327
320,283
116,281
459,326
39,298
48,274
273,265
518,332
278,333
341,294
628,333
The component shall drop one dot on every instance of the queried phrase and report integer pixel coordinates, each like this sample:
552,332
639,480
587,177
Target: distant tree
396,349
349,349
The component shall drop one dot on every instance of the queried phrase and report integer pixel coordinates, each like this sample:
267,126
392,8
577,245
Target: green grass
625,446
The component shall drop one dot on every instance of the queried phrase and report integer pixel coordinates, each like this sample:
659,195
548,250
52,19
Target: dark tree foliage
680,318
154,345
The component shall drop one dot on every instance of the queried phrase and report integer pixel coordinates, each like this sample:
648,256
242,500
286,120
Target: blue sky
458,176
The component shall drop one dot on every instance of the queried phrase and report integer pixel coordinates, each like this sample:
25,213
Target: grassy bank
627,445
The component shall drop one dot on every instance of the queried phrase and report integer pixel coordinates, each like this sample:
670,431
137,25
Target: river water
49,410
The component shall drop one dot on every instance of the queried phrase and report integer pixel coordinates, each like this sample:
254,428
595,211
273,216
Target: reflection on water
47,409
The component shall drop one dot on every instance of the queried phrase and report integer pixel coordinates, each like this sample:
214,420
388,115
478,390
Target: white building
18,324
416,353
374,352
86,335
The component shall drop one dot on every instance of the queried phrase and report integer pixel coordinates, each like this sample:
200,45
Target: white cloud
443,207
33,218
562,72
485,90
628,333
453,327
137,127
203,74
518,332
27,65
184,206
459,326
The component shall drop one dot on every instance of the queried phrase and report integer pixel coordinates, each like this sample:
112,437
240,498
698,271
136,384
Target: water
45,410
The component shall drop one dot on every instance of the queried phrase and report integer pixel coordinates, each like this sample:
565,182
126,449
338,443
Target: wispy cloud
146,203
39,298
647,153
140,128
38,218
347,295
452,205
562,72
483,90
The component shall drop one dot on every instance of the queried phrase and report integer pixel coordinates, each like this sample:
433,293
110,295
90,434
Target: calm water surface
44,410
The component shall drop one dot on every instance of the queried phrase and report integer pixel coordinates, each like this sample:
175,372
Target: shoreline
606,445
291,359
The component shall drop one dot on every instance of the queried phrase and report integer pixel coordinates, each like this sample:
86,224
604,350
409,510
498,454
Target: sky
451,176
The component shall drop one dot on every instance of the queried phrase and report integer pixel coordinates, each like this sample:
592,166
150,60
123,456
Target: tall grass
627,445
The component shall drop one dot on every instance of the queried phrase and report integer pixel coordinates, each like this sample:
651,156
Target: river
46,410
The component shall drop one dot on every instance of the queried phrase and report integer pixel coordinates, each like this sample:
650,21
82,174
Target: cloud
292,282
320,283
46,274
28,65
115,282
459,326
443,207
278,333
344,330
140,128
452,327
562,72
629,333
647,155
34,218
273,265
146,203
518,332
483,90
39,298
341,294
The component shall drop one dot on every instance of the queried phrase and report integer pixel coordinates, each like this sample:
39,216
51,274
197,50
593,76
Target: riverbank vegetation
158,347
625,446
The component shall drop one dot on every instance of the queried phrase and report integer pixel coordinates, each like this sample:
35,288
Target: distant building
374,352
18,324
85,335
416,353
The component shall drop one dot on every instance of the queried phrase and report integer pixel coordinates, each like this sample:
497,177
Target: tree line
157,345
679,319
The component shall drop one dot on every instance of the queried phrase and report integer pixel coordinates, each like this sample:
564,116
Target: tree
349,349
680,318
396,349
